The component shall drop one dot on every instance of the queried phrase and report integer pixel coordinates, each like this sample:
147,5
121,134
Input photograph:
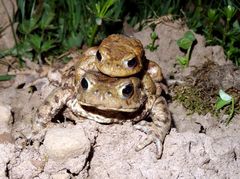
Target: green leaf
236,26
212,15
152,47
21,6
154,36
223,99
229,12
46,19
75,40
184,43
6,77
36,42
23,47
224,96
182,60
189,35
47,45
98,7
221,103
27,26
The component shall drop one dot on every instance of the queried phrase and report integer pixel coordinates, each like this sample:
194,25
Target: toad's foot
152,137
159,127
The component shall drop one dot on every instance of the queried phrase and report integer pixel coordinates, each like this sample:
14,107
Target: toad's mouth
107,108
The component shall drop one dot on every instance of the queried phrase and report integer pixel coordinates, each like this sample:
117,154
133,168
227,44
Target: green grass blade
6,77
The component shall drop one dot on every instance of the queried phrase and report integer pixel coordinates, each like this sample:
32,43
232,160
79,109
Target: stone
64,143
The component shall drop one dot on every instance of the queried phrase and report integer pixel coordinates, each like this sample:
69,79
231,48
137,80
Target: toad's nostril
109,93
96,92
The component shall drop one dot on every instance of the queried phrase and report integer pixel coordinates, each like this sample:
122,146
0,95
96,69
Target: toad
107,100
120,56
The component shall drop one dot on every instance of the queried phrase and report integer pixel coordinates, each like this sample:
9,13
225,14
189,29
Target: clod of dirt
67,149
64,143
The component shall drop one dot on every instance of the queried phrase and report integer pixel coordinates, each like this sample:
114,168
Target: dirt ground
197,146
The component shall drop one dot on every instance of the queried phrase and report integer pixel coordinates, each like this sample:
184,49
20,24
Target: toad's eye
131,63
127,90
84,84
99,56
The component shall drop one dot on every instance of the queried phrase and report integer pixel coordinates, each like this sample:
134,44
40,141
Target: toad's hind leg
159,127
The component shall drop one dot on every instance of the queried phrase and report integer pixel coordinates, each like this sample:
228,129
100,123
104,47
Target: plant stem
225,33
231,113
39,59
188,55
93,35
210,30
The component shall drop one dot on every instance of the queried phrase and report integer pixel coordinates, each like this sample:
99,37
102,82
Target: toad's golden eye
99,56
84,84
127,91
130,63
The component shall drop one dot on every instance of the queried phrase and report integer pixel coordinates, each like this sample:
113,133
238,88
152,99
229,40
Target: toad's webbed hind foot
157,129
152,137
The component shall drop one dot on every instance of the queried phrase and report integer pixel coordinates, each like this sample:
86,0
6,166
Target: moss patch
200,91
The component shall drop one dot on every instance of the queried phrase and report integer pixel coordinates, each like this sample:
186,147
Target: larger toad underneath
109,100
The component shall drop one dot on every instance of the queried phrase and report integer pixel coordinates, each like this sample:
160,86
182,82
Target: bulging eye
84,84
99,56
131,63
127,90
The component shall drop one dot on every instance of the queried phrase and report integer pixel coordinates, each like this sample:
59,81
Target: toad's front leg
159,127
50,107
